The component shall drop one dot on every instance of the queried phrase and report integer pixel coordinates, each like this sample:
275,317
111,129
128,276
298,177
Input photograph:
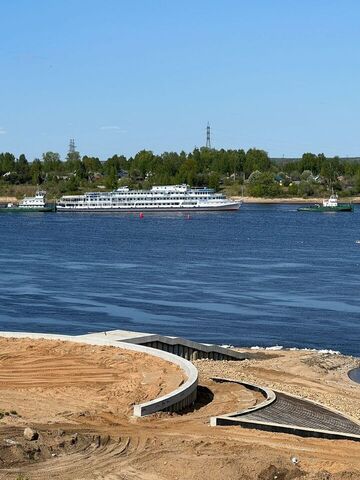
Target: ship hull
50,208
220,208
345,207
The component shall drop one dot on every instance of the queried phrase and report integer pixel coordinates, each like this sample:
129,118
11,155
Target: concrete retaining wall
183,347
195,352
188,349
292,429
239,418
178,399
269,398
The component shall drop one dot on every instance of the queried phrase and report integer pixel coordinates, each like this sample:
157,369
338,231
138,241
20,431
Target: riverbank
78,398
292,200
246,199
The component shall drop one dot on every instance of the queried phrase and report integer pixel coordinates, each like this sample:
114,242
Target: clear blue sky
123,75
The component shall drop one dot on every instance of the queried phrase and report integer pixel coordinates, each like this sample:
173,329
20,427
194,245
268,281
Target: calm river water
265,275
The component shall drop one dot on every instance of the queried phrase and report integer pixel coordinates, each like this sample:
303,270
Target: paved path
280,412
287,410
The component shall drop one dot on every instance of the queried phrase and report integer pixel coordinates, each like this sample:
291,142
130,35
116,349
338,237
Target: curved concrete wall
178,399
241,419
268,394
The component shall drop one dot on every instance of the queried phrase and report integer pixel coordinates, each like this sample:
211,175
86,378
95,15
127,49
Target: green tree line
250,172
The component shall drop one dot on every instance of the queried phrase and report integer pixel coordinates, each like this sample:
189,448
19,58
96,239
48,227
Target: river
266,275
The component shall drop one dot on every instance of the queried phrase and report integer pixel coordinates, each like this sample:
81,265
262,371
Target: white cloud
2,131
113,127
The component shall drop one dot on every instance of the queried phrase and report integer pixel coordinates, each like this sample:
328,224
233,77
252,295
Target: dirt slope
79,398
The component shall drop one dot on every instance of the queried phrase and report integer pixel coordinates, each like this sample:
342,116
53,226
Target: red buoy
141,215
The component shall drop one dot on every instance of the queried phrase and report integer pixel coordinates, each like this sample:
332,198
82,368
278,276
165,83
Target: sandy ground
54,381
8,200
79,399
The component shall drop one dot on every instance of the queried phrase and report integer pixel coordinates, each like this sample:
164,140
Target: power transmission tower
72,146
208,135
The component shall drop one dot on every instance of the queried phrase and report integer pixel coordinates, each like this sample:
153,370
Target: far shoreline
290,200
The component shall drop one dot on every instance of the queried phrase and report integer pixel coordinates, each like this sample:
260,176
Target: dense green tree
73,160
187,172
72,185
357,182
350,168
111,179
293,190
264,185
118,162
256,160
22,169
226,169
330,169
144,163
7,163
214,181
306,175
51,162
311,162
166,168
92,165
254,177
36,170
305,188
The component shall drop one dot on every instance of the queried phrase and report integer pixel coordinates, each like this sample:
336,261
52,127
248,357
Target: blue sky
123,75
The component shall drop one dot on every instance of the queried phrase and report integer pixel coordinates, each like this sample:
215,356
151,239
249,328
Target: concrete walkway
280,412
182,347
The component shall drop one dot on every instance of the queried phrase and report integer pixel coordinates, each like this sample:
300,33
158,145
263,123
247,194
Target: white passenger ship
159,198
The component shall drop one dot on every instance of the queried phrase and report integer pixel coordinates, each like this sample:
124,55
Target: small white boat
30,204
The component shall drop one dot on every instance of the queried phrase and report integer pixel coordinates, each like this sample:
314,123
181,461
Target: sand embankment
291,200
6,200
48,380
79,398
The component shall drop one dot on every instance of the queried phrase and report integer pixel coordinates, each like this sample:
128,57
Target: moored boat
168,198
329,205
30,205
